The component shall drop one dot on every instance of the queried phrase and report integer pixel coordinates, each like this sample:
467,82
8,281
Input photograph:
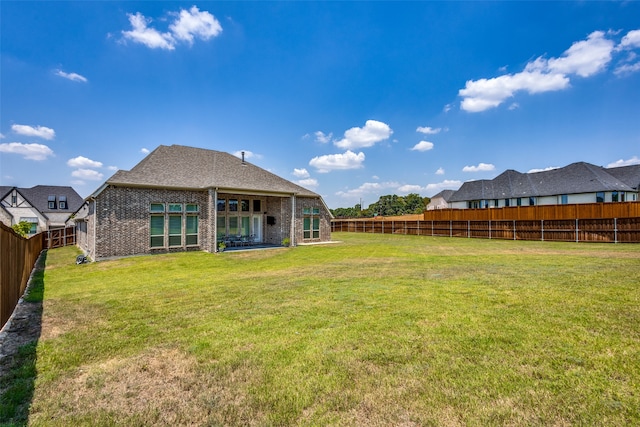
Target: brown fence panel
17,258
546,212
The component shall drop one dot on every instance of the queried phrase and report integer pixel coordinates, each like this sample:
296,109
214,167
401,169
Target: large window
157,231
173,224
600,197
51,202
564,199
191,230
62,202
311,223
175,230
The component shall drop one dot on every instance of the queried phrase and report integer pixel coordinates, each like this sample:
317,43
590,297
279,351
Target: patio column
213,232
292,228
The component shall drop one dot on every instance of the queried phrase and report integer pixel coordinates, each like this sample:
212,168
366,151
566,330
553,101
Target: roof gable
183,167
38,198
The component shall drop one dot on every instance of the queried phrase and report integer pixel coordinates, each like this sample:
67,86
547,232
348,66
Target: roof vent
243,158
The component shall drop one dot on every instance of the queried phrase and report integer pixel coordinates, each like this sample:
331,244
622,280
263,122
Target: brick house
182,198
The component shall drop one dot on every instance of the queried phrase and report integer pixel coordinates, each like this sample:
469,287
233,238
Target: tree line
390,205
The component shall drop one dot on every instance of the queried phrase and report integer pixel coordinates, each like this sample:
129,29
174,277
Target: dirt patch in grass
162,387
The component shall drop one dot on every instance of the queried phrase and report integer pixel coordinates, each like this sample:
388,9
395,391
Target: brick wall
123,220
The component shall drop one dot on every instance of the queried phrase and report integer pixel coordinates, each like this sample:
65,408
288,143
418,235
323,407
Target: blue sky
353,100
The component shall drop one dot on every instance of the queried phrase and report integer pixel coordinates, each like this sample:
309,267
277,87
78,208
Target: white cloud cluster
322,137
74,77
367,136
423,146
447,184
343,161
482,167
368,188
36,152
32,151
301,173
632,161
83,162
428,130
584,58
85,169
38,131
187,26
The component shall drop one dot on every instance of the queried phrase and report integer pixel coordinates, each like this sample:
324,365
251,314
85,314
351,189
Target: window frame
156,236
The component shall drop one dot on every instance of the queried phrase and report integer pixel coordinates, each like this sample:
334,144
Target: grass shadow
18,351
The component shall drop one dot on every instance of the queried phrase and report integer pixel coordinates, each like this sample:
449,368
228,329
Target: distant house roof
183,167
575,178
38,197
444,194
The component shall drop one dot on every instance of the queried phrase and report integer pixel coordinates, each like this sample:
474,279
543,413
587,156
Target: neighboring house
576,183
440,200
182,198
46,207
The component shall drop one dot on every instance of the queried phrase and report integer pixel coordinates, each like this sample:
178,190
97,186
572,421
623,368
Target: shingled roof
183,167
575,178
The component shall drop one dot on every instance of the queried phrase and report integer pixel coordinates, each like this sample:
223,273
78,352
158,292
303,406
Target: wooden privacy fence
58,238
614,230
17,258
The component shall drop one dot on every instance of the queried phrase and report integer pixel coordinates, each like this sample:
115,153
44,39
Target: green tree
22,228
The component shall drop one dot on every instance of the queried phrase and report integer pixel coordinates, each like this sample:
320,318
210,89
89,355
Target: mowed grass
374,330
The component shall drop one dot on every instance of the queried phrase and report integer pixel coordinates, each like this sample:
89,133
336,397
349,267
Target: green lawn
375,330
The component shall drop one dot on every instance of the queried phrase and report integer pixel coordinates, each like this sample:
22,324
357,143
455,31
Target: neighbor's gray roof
38,197
630,175
575,178
445,194
182,167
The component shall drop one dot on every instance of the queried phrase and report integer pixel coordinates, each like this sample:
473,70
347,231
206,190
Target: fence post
468,229
489,229
577,235
514,229
615,230
542,228
450,228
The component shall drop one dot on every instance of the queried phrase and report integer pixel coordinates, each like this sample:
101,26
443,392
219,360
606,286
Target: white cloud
308,183
483,94
631,40
548,168
1,136
28,151
89,174
440,171
301,173
627,69
322,137
632,161
435,188
38,131
409,188
367,136
112,168
149,37
368,188
74,77
482,167
195,23
144,151
427,130
584,58
347,160
423,146
83,162
189,24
